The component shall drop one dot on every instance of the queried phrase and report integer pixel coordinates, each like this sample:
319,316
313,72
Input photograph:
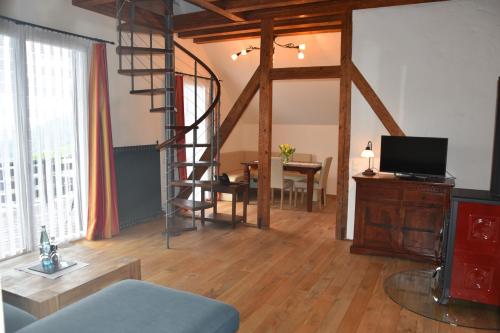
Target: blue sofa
132,306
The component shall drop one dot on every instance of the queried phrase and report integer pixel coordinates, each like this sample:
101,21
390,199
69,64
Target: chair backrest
302,157
325,170
276,172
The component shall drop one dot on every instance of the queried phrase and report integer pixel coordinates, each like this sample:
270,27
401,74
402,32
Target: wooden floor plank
294,277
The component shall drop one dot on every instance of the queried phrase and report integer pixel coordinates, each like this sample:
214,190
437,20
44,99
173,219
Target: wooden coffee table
41,296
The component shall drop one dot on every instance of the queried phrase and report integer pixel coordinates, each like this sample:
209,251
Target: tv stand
398,217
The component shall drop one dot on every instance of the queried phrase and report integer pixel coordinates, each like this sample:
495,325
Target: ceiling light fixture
300,49
244,52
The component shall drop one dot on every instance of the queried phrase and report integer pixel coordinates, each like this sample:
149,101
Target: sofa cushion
15,318
133,306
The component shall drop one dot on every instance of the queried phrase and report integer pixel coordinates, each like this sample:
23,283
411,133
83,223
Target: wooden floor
292,278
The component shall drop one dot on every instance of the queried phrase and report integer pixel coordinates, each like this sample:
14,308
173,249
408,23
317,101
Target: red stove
472,248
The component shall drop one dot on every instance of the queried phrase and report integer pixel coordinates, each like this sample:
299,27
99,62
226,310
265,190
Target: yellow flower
286,149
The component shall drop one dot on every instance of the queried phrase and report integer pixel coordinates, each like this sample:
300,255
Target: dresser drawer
371,192
424,194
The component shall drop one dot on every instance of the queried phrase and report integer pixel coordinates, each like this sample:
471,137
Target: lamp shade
367,153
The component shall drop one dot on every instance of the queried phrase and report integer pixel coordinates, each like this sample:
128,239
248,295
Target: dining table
307,168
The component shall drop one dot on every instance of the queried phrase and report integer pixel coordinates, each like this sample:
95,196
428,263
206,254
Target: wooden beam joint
375,103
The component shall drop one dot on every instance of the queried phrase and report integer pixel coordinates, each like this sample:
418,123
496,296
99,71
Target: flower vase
286,159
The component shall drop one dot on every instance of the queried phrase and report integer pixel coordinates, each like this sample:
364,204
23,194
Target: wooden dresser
400,218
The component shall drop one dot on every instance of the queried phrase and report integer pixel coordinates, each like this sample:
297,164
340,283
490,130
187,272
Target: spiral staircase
148,56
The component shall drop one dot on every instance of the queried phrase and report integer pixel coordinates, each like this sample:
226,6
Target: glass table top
413,290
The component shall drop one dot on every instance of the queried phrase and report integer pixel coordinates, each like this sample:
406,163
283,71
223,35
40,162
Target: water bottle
45,248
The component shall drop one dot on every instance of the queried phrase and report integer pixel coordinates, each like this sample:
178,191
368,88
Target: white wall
435,67
318,140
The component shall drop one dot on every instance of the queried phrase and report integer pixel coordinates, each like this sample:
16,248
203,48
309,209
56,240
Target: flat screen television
409,155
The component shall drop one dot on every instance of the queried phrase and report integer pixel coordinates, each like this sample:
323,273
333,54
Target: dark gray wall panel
138,184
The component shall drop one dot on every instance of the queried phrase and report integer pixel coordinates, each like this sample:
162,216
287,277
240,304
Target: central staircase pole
169,113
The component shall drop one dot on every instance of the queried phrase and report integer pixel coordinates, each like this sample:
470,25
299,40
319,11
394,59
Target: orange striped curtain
103,208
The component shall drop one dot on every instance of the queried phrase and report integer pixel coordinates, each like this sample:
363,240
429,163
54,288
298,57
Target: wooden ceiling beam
300,73
201,20
216,9
91,3
246,5
255,27
143,17
184,22
328,7
207,19
284,32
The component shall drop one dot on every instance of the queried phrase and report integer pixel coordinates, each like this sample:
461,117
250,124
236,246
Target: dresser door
420,230
379,224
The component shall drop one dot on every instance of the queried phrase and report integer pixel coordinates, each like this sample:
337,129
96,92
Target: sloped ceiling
183,7
294,102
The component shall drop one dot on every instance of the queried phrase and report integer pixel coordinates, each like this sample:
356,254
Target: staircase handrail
181,133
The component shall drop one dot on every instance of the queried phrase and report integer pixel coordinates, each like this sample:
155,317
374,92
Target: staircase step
189,145
189,204
179,127
196,164
139,28
157,91
178,224
139,50
144,71
189,183
163,109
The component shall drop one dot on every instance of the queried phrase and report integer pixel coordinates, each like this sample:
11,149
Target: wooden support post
265,124
344,127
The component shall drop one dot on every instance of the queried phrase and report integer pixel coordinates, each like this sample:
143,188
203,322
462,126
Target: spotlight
300,55
243,52
302,47
234,56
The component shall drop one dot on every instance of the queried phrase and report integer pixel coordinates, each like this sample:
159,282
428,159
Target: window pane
11,240
52,102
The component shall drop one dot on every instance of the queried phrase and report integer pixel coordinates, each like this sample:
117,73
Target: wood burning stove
472,248
471,240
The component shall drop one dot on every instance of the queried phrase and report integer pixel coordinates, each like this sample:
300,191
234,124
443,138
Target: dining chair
278,181
319,184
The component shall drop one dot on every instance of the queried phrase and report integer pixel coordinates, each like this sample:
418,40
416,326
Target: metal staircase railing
138,47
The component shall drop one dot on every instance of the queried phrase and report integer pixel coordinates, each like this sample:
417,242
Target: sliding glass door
43,93
12,228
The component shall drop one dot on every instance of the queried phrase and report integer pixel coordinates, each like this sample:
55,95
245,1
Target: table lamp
368,153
